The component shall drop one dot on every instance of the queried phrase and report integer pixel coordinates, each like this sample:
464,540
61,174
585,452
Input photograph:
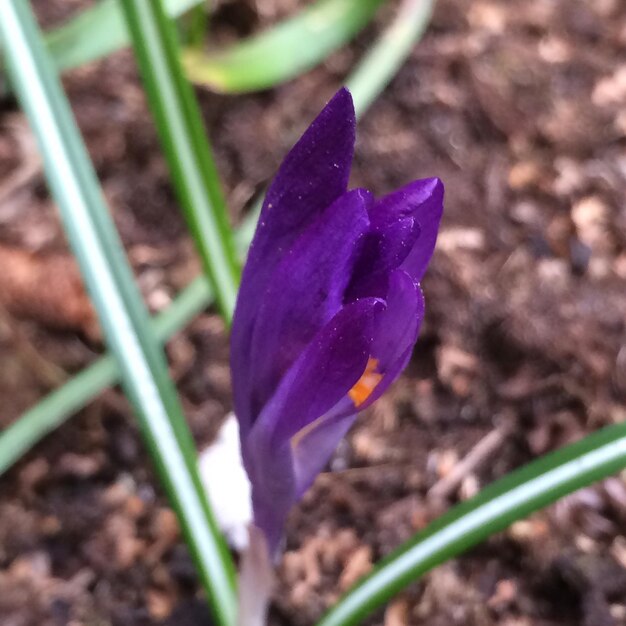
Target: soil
520,107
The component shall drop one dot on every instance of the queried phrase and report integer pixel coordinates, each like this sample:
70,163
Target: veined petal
396,332
423,200
315,445
321,376
270,468
394,335
324,372
384,248
312,176
306,290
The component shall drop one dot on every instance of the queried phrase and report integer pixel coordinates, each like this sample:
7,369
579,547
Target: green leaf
260,62
185,145
97,32
511,498
282,52
123,316
195,26
383,59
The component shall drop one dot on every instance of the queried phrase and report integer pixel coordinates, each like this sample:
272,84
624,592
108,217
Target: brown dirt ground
520,107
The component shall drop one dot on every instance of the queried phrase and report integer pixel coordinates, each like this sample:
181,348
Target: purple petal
321,376
270,469
395,333
312,176
305,292
384,248
423,200
324,372
317,444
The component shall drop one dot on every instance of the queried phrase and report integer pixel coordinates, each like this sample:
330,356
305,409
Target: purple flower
328,311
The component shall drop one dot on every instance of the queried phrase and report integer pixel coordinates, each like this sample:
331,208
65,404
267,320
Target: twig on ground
480,453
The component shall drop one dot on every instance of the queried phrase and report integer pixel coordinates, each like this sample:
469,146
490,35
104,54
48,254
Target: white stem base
227,485
256,579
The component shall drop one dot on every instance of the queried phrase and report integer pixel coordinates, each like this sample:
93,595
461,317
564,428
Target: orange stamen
366,384
361,391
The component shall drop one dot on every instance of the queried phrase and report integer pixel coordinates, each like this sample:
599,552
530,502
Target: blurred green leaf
123,316
195,26
383,59
282,52
185,144
96,32
260,62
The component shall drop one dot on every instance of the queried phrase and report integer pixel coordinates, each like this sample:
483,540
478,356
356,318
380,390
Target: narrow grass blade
195,26
282,52
123,317
383,59
186,148
515,496
97,32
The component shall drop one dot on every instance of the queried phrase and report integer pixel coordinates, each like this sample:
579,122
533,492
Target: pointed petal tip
427,196
437,185
341,106
344,96
436,190
433,186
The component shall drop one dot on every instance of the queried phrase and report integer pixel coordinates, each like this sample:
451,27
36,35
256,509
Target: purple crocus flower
328,311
